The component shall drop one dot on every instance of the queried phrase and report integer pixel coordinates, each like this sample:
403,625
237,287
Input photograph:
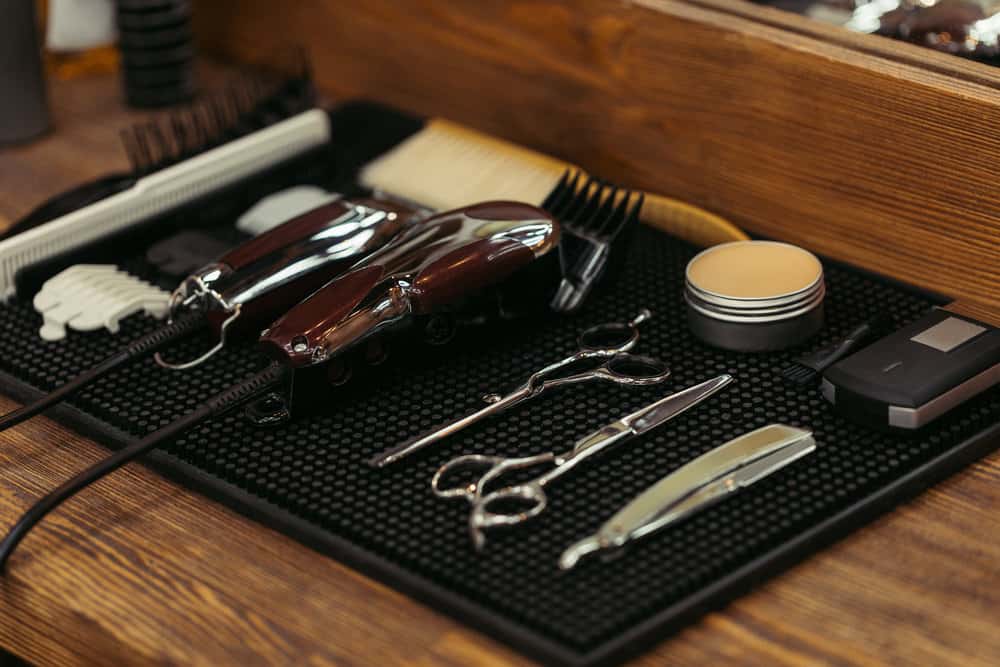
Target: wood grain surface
864,156
139,571
977,311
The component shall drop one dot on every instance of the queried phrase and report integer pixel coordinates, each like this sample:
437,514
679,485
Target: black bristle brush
805,371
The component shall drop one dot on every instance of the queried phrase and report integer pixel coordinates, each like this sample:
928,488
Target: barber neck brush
426,269
445,165
253,284
807,370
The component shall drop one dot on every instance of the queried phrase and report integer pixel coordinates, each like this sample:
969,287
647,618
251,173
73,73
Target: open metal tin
752,296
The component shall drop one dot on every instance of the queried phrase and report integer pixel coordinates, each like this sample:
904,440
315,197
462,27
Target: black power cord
262,381
178,328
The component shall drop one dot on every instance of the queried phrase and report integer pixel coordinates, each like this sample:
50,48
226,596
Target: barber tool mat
311,478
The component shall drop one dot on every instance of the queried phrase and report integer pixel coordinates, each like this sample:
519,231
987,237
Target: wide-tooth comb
593,216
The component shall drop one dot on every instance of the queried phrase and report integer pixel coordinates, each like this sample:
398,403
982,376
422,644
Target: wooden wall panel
862,157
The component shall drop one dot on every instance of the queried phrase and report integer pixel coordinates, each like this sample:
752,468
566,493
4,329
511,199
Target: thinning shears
608,344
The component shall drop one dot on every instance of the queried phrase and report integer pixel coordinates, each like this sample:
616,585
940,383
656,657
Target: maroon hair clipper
259,280
254,283
426,269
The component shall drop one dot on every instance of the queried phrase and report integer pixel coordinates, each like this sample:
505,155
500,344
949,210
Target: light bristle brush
446,165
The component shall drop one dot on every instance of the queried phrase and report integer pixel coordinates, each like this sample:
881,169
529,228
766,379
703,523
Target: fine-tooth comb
215,144
595,218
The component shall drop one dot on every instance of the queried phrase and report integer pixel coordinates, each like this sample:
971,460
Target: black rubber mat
309,478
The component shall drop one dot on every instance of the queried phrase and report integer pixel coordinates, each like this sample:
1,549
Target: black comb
594,217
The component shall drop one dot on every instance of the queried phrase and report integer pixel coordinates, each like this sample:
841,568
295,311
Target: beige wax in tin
754,270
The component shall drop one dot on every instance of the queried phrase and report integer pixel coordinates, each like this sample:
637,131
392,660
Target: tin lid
744,272
754,282
751,305
751,316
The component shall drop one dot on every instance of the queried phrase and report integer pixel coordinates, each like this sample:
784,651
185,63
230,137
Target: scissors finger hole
461,477
609,337
646,370
512,505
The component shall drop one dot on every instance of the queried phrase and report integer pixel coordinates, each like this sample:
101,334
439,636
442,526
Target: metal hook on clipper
198,292
296,256
215,349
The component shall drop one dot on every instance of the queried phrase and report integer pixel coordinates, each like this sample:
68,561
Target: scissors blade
428,438
653,415
647,418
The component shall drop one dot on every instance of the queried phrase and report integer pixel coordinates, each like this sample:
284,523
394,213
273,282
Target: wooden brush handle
690,223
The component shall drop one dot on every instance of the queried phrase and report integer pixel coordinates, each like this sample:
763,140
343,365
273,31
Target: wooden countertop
138,570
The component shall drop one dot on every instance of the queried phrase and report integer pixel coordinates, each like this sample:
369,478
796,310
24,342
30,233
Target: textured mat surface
310,477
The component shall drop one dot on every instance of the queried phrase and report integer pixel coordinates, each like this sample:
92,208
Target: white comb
163,191
281,207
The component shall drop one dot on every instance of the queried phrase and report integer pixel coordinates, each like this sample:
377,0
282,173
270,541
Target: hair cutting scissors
533,491
608,344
